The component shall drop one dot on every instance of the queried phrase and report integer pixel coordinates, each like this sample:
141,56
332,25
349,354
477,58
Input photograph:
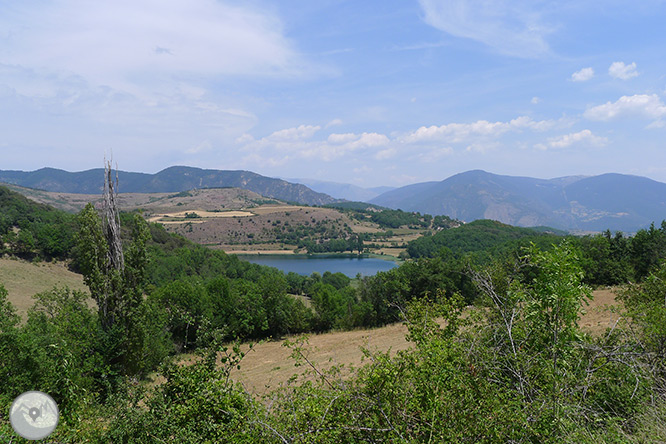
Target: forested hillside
510,363
481,237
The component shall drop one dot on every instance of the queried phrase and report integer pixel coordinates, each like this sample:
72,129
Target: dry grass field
268,365
599,315
24,279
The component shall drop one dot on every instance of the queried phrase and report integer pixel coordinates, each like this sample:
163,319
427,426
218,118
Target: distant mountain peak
587,203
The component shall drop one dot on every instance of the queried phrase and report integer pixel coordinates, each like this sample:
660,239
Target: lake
306,265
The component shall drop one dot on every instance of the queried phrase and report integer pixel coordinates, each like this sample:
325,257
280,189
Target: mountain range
617,202
169,180
579,203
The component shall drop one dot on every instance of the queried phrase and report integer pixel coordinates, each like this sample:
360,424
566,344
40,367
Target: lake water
306,265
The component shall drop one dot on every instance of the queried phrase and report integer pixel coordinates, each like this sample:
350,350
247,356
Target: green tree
8,317
648,248
116,279
25,243
646,305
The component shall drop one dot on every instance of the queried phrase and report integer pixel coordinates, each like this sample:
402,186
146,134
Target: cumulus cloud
515,28
583,75
582,137
342,138
459,132
329,151
621,71
647,106
301,132
300,143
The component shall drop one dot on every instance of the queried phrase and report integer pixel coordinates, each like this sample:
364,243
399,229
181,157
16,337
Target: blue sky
371,93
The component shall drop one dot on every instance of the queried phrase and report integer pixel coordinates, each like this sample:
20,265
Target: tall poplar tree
116,278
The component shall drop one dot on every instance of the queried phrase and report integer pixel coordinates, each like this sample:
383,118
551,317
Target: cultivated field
232,219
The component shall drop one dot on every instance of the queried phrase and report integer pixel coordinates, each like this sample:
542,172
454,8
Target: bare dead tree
111,220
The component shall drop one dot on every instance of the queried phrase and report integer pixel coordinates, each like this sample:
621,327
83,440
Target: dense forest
508,364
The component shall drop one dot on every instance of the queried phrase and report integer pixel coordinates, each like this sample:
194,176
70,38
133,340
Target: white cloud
583,75
385,154
621,71
299,142
640,105
513,28
482,147
371,140
245,139
459,132
127,43
342,138
582,137
301,132
535,100
144,76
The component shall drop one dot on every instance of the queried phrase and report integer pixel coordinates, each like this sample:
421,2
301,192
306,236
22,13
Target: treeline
387,218
606,258
352,243
482,239
30,230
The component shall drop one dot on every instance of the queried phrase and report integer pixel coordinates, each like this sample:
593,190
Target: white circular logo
34,415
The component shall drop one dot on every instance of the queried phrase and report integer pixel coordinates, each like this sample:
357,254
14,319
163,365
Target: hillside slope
170,180
609,201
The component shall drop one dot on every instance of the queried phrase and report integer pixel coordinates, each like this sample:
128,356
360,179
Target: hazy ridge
595,203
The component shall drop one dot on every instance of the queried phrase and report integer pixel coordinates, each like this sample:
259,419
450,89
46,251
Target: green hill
487,236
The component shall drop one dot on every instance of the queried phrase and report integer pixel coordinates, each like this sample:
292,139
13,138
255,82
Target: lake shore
305,264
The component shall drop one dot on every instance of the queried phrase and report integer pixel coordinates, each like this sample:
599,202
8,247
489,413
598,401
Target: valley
240,221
